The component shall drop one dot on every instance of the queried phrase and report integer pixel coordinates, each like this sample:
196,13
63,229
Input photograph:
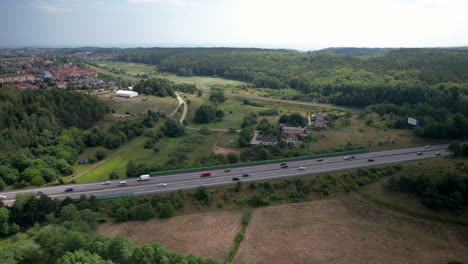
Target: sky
294,24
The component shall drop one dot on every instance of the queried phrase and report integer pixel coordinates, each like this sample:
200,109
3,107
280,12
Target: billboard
413,121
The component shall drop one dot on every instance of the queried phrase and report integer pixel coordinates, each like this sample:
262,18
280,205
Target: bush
167,211
101,154
143,211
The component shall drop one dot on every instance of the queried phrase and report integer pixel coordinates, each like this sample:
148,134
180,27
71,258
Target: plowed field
205,235
338,231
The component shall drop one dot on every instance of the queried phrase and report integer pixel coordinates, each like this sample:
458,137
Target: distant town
36,68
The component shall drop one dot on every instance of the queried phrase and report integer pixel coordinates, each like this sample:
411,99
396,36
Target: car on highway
320,159
437,153
227,170
284,166
370,160
283,163
106,183
302,168
2,197
205,174
427,146
162,184
235,179
347,157
69,190
39,193
419,153
123,183
245,175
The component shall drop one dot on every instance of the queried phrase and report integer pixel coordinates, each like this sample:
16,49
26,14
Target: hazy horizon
295,24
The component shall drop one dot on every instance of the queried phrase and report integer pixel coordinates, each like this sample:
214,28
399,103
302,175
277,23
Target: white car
427,146
302,168
123,183
2,197
162,184
347,158
106,183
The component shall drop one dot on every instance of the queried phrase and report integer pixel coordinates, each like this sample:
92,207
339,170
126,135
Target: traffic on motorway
146,184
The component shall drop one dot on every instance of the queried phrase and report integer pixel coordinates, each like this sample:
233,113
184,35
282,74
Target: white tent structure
125,93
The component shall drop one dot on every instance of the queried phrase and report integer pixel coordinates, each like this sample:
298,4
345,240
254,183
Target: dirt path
220,150
181,102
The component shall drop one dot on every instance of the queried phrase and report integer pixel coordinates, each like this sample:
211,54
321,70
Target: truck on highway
144,177
205,174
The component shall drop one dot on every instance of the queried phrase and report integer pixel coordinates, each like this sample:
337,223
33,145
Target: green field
226,139
135,151
409,204
235,111
133,69
128,68
140,104
375,137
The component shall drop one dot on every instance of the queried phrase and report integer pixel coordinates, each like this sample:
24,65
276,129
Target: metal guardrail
223,166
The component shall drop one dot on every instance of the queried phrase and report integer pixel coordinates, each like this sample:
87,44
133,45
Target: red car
205,174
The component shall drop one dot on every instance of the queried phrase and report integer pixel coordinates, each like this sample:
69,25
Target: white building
124,93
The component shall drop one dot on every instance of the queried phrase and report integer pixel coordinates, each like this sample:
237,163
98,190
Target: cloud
48,8
165,2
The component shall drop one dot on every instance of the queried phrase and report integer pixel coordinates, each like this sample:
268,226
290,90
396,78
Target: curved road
193,180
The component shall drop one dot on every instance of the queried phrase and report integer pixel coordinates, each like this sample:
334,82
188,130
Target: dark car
39,193
283,163
437,153
320,159
419,153
227,170
69,190
284,166
245,175
235,179
370,160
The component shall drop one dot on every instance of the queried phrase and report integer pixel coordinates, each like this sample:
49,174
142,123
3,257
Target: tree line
434,77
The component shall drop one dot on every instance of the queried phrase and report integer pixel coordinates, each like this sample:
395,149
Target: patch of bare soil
221,150
206,235
339,231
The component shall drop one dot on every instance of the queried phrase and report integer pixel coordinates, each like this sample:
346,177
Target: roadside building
291,139
298,131
269,140
125,93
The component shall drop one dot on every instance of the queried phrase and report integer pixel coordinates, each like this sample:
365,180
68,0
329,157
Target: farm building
124,93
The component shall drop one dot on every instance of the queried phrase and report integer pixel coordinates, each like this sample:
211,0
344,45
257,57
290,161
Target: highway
193,180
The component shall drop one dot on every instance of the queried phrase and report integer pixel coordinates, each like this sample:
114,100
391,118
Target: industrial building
125,93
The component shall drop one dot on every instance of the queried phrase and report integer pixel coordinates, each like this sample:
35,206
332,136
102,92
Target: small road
288,101
184,113
192,180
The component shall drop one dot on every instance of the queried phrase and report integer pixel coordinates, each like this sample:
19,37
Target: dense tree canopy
404,77
40,133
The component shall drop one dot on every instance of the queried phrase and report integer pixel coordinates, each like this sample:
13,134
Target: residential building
269,140
291,139
298,131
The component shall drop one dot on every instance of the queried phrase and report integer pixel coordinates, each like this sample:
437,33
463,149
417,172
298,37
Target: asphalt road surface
193,180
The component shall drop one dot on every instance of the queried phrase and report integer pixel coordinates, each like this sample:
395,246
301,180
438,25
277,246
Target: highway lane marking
257,177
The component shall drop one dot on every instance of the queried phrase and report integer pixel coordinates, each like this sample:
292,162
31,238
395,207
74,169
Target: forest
404,77
42,133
